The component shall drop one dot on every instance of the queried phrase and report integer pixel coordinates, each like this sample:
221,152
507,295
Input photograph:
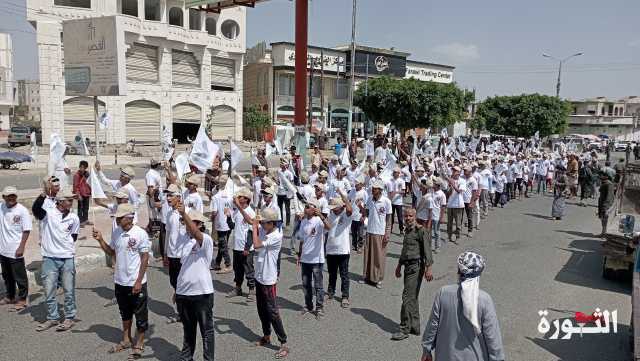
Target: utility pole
560,62
352,86
322,88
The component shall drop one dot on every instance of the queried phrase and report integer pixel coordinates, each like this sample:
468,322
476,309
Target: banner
104,121
236,155
80,144
204,151
96,187
182,165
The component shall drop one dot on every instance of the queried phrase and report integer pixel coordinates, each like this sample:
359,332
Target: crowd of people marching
320,209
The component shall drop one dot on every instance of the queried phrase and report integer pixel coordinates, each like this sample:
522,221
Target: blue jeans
435,233
312,271
52,269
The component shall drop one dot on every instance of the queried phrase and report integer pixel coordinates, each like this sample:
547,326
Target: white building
180,62
617,118
6,80
27,97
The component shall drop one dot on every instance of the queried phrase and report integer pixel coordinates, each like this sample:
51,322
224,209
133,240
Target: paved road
533,263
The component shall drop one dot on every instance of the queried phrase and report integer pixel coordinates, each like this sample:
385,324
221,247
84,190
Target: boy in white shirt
437,214
191,198
15,227
396,195
358,197
470,196
220,208
194,293
267,241
243,216
131,247
338,246
311,256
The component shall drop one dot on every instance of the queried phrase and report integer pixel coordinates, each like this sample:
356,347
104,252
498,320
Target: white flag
444,133
230,187
344,158
96,187
104,120
204,151
56,151
166,144
236,156
182,165
269,149
254,157
80,144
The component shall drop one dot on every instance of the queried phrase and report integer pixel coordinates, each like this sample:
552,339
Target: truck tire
607,273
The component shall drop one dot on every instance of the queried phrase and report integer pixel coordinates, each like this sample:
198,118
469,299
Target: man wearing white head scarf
463,324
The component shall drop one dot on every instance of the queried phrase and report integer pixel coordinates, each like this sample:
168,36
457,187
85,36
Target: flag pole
95,126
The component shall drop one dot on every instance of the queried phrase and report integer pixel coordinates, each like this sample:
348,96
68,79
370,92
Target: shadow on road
588,347
385,324
579,234
162,349
235,327
584,267
102,291
537,216
105,332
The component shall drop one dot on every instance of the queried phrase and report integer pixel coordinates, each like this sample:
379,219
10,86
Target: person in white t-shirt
131,247
501,193
416,179
191,198
396,195
470,196
194,292
437,213
358,198
284,195
59,233
338,246
455,204
15,227
174,230
339,183
267,242
124,181
311,256
378,214
153,181
243,216
486,178
220,207
424,204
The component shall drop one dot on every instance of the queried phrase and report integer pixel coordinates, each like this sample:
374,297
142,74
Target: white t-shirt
221,201
312,234
352,174
439,201
472,186
424,204
282,188
57,234
134,196
128,247
265,259
543,166
324,204
336,184
193,201
195,278
397,186
15,220
405,174
257,188
355,197
338,240
500,182
174,234
456,200
241,228
153,179
485,179
377,217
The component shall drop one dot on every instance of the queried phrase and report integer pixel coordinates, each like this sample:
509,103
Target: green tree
522,115
256,120
411,103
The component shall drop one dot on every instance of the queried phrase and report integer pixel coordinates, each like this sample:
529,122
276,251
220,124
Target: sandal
46,325
7,301
283,352
119,347
19,306
136,353
263,341
65,326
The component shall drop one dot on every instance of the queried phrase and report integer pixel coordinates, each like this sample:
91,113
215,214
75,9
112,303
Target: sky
495,45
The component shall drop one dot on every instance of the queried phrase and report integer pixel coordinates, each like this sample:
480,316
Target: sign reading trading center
94,57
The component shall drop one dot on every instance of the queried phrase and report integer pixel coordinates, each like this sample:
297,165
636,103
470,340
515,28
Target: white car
620,146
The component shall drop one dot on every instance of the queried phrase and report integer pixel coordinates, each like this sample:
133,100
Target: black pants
161,237
223,248
15,276
196,311
356,235
268,311
131,304
335,263
468,211
410,311
285,208
83,208
243,268
397,211
312,274
174,271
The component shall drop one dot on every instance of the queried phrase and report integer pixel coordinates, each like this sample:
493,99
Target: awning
217,5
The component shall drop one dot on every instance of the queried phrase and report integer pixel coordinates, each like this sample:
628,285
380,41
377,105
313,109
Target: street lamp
560,61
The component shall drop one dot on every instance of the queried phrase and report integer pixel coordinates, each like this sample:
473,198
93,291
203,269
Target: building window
152,10
194,19
259,84
602,110
615,111
129,7
230,29
286,85
223,74
265,83
316,87
74,3
175,17
210,25
342,88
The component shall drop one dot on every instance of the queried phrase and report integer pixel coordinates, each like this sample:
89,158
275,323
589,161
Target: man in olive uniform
417,260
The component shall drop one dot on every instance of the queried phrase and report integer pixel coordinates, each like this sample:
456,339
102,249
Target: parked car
620,146
19,135
597,146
